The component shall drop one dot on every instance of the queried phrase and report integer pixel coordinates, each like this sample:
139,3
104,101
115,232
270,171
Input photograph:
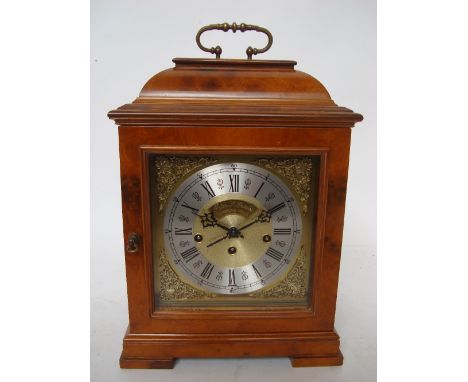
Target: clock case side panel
138,265
132,215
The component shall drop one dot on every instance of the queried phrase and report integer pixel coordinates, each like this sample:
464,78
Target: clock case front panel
306,334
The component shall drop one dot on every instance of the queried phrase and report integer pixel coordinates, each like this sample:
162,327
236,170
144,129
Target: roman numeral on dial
208,189
274,254
282,231
259,189
194,210
183,231
206,273
189,254
276,208
234,179
232,278
257,273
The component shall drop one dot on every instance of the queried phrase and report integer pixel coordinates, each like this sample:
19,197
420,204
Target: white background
335,41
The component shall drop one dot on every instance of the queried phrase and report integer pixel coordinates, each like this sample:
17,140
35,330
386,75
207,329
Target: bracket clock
233,177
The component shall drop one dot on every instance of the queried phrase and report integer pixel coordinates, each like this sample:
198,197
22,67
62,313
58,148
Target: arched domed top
236,80
214,92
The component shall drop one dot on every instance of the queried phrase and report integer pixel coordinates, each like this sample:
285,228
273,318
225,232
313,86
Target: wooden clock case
224,106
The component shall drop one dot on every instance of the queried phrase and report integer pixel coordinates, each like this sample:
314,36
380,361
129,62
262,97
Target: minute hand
264,217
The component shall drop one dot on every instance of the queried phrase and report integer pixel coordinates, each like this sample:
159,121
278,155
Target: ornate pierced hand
208,220
263,217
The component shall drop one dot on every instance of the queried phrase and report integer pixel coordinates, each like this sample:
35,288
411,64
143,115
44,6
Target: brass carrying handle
234,27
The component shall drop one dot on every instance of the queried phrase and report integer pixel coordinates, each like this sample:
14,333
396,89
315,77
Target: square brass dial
217,230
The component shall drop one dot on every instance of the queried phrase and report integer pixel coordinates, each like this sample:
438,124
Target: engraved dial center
232,247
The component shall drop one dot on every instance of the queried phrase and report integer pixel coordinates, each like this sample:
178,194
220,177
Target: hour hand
217,241
208,220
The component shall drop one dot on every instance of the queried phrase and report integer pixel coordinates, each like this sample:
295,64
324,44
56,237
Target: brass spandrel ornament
174,289
298,172
171,169
295,283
